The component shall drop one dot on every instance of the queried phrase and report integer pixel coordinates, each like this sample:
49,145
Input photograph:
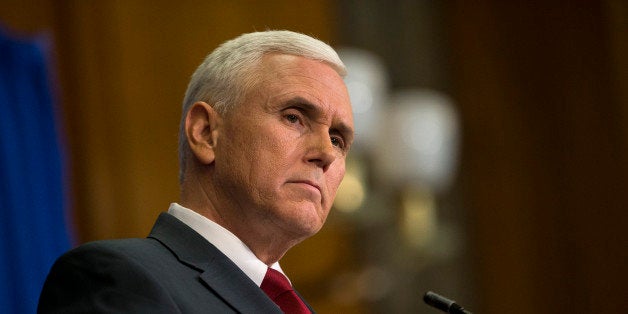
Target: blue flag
33,230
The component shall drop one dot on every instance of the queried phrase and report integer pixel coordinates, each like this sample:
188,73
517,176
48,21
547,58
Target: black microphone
443,304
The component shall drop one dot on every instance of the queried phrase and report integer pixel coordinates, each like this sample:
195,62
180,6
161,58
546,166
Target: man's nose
321,151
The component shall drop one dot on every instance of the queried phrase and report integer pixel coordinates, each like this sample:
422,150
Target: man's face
281,153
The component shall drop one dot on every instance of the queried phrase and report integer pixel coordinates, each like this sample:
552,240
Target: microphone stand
443,304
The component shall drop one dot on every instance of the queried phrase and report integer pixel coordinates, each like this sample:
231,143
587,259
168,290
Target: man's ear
201,128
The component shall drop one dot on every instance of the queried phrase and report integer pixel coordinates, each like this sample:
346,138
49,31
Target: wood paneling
544,162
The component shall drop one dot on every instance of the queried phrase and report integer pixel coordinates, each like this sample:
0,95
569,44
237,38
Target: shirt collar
225,241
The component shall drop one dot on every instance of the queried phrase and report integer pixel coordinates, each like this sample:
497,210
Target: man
265,130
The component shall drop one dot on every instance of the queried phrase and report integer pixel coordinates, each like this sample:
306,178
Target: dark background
540,86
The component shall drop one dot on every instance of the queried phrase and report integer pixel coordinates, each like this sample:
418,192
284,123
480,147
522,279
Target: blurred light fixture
418,143
418,221
351,192
367,83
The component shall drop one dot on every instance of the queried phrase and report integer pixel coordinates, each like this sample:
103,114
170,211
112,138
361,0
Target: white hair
223,79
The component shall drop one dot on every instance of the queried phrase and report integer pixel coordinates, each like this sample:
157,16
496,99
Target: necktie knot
278,289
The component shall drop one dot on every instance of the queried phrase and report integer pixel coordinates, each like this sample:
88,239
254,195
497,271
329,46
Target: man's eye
337,141
292,118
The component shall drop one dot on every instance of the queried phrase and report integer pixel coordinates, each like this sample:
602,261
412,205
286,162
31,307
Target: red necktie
278,289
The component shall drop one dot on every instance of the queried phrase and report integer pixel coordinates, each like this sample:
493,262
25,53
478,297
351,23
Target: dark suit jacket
174,270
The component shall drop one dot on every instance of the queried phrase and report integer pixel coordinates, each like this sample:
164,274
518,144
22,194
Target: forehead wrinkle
281,80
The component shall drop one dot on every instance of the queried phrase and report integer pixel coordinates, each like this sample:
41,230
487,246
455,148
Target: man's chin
302,218
307,225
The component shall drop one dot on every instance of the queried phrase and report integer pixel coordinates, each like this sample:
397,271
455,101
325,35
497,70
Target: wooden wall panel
545,152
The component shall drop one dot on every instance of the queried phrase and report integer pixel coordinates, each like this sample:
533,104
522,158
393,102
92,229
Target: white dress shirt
225,241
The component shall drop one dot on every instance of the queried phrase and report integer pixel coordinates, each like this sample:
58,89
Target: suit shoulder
120,245
135,249
87,279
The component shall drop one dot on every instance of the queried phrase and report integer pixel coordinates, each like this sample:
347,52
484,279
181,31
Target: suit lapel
216,270
238,290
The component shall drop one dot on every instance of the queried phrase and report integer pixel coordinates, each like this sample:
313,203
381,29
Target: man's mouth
308,184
